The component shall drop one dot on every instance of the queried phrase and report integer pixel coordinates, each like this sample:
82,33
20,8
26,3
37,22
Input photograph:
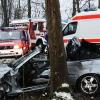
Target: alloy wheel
89,84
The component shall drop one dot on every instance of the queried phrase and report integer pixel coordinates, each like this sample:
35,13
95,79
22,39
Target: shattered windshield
20,60
9,35
24,58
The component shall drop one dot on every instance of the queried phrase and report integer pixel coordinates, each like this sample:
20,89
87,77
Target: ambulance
84,25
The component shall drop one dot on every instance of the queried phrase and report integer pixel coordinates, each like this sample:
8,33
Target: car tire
89,85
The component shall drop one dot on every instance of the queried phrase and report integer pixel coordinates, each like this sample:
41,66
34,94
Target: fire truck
36,29
13,43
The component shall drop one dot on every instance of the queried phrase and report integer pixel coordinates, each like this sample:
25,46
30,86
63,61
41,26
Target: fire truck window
25,24
40,26
35,26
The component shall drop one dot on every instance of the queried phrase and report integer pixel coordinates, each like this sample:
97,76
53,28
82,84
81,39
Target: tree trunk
10,3
18,11
74,8
29,8
99,4
77,3
5,13
56,45
89,4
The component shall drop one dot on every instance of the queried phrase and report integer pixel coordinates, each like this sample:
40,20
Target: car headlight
16,47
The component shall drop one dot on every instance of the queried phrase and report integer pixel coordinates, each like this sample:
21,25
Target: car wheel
89,85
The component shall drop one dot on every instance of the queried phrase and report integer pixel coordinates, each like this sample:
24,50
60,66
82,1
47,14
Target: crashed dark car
32,73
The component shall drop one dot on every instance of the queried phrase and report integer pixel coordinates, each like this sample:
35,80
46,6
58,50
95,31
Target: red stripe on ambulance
88,40
82,17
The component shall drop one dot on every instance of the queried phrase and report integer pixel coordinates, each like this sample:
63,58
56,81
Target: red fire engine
35,27
13,43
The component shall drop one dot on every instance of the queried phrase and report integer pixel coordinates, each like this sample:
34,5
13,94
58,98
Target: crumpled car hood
4,69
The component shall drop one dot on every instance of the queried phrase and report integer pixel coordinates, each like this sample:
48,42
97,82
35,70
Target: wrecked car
24,75
32,72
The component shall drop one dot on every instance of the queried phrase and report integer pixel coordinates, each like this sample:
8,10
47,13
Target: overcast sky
66,7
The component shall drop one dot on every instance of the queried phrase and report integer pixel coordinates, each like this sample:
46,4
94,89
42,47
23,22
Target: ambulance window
70,28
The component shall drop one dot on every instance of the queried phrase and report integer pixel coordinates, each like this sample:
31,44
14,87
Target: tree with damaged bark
56,45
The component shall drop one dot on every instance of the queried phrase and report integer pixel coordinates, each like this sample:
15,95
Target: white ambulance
85,25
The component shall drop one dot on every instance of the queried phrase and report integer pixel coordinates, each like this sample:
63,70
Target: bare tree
17,12
10,5
6,11
99,4
29,8
56,45
74,8
43,7
77,5
89,4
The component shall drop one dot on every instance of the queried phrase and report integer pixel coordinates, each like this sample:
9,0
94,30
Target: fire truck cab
85,25
13,43
36,29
